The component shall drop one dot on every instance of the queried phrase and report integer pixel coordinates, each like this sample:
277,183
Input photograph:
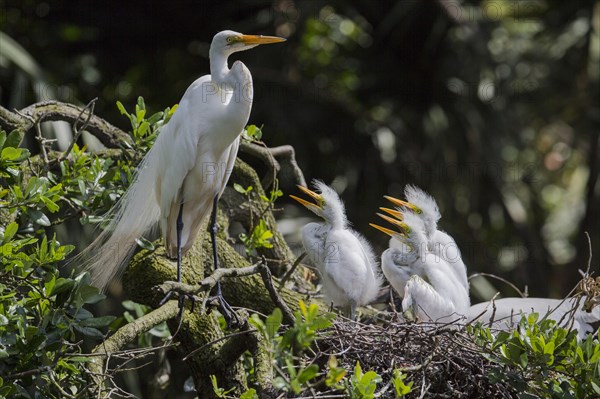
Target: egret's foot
181,300
227,311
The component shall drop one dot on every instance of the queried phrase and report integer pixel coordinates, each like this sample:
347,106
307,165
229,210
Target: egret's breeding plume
432,292
348,266
179,181
506,313
438,241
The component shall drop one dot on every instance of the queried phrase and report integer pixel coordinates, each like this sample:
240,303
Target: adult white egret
505,313
179,181
438,241
346,261
432,292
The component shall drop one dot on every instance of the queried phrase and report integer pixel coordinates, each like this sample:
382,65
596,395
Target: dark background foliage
490,106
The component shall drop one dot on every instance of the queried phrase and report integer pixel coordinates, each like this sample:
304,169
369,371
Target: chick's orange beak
404,204
311,206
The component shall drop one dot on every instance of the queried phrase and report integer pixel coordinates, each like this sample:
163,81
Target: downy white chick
432,292
344,258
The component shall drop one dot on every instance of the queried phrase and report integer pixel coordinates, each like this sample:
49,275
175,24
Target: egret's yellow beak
395,222
395,213
387,231
404,204
259,39
316,208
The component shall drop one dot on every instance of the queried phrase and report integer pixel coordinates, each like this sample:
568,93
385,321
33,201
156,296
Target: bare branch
209,282
25,119
269,157
288,316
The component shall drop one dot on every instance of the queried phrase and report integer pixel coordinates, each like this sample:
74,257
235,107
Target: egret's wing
445,247
426,302
397,275
374,279
445,283
346,265
200,191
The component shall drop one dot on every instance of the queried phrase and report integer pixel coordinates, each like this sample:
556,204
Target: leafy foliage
542,359
43,319
42,316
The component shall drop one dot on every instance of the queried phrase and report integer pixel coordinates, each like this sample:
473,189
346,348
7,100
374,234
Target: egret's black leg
179,226
179,229
224,307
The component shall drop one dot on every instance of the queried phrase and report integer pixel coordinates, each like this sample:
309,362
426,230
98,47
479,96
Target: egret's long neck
219,71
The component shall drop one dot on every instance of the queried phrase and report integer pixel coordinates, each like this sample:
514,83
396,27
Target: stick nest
442,362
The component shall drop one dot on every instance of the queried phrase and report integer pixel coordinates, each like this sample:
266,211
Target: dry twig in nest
443,363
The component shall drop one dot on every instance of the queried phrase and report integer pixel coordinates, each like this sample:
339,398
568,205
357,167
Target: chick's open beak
404,204
395,213
316,208
259,39
395,222
387,231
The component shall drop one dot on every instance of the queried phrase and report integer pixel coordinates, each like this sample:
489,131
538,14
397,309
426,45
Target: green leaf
308,373
13,139
273,322
249,394
140,103
38,217
2,139
14,154
240,189
143,243
122,108
10,231
50,205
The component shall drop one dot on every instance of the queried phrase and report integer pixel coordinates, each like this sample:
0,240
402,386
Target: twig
209,282
288,316
269,154
521,293
42,142
78,130
291,271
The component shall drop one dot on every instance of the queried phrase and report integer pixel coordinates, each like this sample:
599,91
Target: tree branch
269,156
23,120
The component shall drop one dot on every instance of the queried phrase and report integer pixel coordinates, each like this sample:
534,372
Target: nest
442,362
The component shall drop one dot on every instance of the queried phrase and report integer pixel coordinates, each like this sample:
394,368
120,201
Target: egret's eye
230,40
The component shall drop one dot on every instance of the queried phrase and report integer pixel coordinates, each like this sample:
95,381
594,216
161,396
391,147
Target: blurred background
492,107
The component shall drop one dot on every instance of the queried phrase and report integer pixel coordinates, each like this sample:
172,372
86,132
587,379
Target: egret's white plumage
346,261
433,292
505,313
407,275
438,241
188,165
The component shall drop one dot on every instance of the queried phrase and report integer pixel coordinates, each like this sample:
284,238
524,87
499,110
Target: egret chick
344,258
438,241
433,292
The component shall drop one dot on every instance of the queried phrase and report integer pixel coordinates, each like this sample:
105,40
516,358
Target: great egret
505,313
179,181
438,241
432,292
347,264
